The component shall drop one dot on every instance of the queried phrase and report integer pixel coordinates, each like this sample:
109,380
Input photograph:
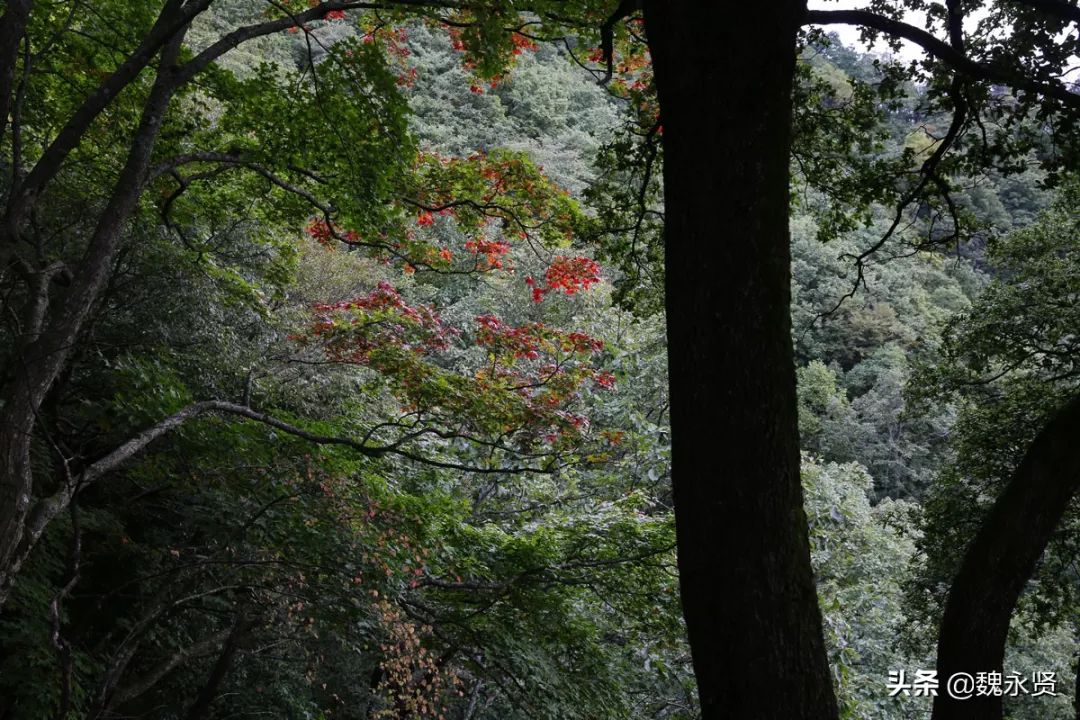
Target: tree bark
1000,560
12,29
201,707
41,361
143,684
724,74
170,21
1076,688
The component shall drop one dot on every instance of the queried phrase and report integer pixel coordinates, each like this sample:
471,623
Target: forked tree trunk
724,73
41,359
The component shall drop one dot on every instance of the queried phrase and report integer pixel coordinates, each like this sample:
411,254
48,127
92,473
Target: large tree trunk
724,73
1000,560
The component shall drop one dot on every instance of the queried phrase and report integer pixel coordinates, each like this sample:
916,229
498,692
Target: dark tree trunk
724,73
1076,688
1000,560
45,355
12,28
201,707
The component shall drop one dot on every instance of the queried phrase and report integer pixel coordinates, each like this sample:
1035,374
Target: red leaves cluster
408,78
320,231
522,42
521,342
605,380
355,330
393,39
492,197
492,250
330,16
526,388
525,341
546,368
571,274
485,55
325,234
567,274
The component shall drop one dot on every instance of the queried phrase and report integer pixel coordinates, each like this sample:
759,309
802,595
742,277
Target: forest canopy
494,360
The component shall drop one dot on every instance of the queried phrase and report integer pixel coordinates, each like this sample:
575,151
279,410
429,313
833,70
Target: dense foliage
414,265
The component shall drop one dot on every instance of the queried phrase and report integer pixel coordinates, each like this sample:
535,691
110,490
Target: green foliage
859,351
1009,364
378,229
861,554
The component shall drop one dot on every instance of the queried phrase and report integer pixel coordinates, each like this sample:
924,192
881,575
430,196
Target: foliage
428,245
1009,364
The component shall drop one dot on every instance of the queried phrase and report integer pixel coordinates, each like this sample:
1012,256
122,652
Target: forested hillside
335,354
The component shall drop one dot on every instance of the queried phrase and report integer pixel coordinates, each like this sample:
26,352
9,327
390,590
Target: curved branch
144,683
173,19
943,51
243,34
933,45
125,452
607,35
48,508
1001,559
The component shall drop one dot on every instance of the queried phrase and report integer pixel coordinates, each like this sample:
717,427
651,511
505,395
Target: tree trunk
1076,688
16,485
1000,560
40,361
724,74
201,707
12,28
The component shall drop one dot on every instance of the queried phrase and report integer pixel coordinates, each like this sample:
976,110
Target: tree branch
944,51
607,35
132,447
243,34
174,17
146,682
999,561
